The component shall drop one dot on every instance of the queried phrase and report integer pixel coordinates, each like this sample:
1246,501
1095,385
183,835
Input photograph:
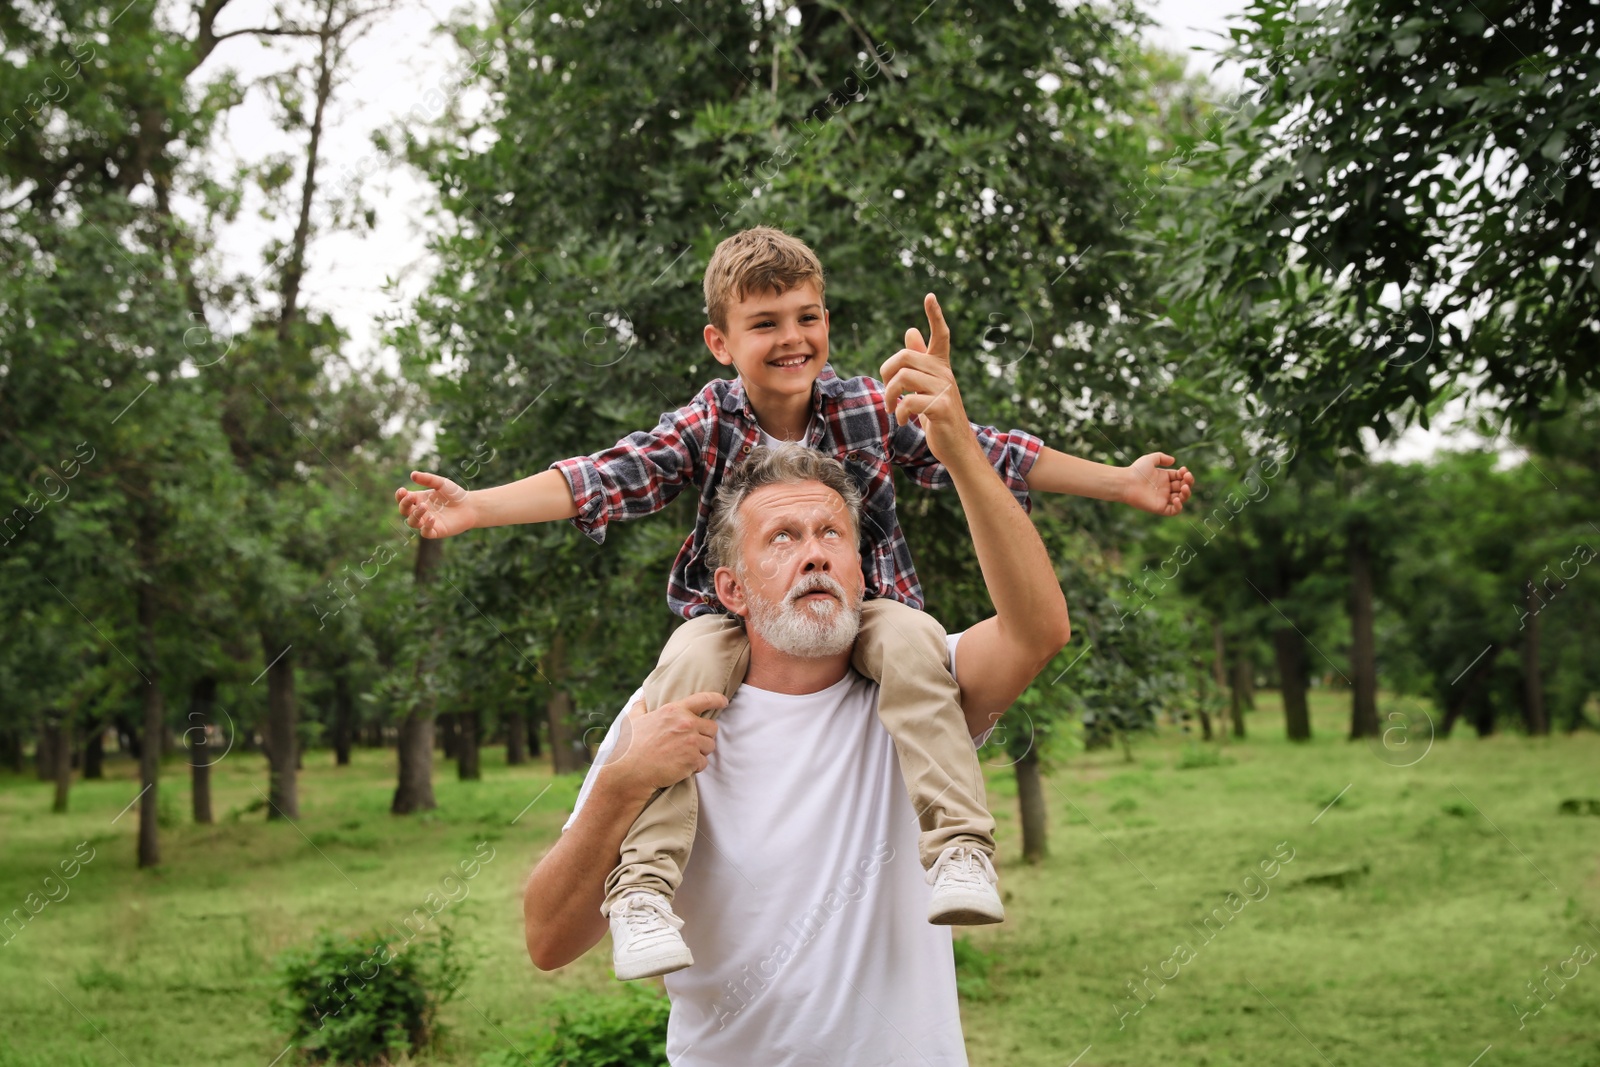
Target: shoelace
969,868
644,914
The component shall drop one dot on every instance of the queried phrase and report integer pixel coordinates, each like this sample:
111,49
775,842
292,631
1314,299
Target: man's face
799,586
778,344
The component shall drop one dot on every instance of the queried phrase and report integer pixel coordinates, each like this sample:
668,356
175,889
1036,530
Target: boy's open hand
1160,490
444,509
918,383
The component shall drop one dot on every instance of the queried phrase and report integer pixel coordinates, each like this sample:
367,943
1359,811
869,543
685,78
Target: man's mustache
817,583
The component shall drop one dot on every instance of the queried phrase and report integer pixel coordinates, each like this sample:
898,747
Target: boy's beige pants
900,648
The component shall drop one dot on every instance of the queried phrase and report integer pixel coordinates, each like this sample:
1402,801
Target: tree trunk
61,751
516,732
1287,643
1363,648
414,789
94,752
150,735
1242,696
564,758
1030,802
449,732
294,269
1463,696
1532,684
127,735
532,722
344,717
1219,648
468,726
202,701
283,744
44,753
1483,716
11,751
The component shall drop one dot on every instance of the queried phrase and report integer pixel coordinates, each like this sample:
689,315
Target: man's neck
784,417
778,672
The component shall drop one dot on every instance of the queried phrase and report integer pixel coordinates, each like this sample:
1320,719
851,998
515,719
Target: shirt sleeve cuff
583,479
1022,450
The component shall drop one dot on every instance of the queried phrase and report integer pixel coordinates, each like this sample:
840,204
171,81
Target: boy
764,299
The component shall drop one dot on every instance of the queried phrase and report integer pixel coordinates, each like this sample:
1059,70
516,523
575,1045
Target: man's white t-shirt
804,902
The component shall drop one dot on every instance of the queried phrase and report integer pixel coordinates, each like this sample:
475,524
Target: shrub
628,1030
365,1000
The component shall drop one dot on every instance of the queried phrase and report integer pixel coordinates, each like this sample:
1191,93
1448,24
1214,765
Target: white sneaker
964,892
644,937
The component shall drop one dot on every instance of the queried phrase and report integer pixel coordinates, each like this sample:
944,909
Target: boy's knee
901,630
705,654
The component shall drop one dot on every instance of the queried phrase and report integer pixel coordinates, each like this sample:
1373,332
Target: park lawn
1403,931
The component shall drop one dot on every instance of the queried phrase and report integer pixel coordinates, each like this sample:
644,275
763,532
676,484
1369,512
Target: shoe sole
651,966
969,912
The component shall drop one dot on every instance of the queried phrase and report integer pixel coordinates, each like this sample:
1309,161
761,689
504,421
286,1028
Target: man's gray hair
784,463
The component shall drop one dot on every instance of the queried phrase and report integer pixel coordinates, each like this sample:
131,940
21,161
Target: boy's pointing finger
938,329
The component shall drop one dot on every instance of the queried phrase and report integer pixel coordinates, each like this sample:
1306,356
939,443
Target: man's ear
718,345
730,594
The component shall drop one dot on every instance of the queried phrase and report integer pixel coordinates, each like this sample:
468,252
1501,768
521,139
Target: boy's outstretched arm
444,509
637,476
1150,483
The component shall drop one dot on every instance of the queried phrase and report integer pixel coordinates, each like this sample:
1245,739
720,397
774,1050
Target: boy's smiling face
777,342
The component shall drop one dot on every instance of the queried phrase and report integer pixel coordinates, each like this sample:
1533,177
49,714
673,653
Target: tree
567,311
110,283
1471,633
1402,207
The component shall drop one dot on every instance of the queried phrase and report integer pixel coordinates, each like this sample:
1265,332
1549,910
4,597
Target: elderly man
805,904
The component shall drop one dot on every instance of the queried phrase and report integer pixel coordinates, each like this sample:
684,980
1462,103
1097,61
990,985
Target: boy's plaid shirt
644,471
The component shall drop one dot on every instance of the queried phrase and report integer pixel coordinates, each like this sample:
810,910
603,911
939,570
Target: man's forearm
1057,472
542,497
561,903
1021,580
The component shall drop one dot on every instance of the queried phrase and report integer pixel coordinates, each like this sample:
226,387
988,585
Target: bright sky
397,75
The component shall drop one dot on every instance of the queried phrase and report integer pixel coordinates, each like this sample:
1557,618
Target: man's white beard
808,630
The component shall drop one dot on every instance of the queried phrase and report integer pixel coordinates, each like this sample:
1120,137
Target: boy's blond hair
758,260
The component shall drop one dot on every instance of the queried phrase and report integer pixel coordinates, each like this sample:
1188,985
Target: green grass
1402,932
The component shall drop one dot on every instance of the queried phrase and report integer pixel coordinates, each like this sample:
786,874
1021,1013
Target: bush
364,1000
629,1030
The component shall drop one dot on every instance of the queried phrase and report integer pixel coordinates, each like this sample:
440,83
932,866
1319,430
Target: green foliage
363,1000
983,153
626,1029
1400,205
973,965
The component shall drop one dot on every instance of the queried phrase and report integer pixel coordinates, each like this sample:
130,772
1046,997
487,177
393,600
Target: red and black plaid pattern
643,472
